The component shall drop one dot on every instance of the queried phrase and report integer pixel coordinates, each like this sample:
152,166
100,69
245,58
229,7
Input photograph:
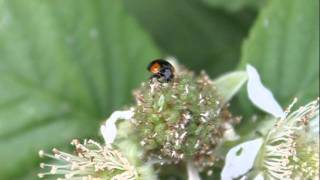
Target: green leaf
199,36
284,47
65,65
236,5
229,84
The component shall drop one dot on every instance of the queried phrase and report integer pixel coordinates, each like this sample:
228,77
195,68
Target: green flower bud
181,120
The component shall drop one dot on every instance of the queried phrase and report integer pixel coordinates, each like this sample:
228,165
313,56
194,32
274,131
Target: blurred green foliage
65,65
237,5
284,47
200,36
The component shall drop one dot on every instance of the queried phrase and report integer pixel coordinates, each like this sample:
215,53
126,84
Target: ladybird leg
154,76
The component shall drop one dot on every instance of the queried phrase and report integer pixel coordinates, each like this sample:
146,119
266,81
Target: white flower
279,145
291,149
109,129
237,165
91,161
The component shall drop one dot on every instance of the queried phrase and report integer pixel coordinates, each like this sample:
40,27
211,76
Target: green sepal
229,84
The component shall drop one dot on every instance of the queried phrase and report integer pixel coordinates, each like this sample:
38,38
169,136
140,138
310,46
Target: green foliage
284,46
65,65
200,37
236,5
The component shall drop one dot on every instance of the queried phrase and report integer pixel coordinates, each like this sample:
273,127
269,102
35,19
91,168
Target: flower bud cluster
181,120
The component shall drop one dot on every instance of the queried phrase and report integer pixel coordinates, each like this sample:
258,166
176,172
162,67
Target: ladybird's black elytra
162,70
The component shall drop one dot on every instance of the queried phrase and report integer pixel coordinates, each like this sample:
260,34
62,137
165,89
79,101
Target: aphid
162,70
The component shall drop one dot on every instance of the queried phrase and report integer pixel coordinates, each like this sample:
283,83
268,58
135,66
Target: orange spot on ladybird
155,68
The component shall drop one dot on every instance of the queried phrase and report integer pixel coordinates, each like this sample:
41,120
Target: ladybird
162,70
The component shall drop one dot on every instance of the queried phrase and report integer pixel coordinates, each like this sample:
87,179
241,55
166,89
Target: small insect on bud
162,70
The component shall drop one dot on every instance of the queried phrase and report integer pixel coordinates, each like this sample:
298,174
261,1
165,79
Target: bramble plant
185,121
240,100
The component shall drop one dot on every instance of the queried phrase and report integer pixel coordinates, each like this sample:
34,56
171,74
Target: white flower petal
192,172
260,95
259,177
229,133
314,125
109,130
240,159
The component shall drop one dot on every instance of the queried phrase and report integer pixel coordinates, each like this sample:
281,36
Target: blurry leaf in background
236,5
284,47
64,66
200,36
